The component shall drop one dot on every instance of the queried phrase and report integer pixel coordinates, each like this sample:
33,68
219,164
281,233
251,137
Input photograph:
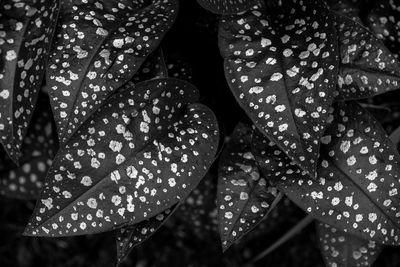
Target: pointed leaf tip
281,65
136,156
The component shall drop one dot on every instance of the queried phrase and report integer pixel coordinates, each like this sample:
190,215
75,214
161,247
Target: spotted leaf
97,50
244,198
358,176
38,150
136,156
367,67
227,6
154,67
384,20
131,236
340,249
26,31
281,64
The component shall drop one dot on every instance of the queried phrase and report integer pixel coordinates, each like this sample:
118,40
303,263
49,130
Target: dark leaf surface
244,197
97,50
38,150
340,249
358,176
154,67
138,155
367,67
227,6
131,236
345,7
281,64
26,31
384,20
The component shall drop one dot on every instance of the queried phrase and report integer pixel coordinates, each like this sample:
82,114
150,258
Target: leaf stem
289,234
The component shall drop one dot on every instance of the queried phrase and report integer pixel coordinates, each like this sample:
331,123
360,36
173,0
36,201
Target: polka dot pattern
367,67
99,46
340,249
384,20
358,176
244,196
26,30
227,6
136,156
281,65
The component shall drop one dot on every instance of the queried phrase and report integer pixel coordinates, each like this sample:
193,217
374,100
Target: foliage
107,121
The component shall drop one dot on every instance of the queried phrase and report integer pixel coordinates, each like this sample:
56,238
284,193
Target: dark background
190,236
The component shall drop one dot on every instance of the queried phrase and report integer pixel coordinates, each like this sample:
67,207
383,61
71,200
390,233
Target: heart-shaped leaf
358,176
98,49
367,67
281,64
131,236
244,198
340,249
38,150
136,156
384,21
26,31
227,6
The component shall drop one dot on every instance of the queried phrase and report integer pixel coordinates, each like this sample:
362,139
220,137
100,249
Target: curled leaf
227,6
26,31
97,50
281,65
38,150
131,236
136,156
340,249
358,176
244,197
367,67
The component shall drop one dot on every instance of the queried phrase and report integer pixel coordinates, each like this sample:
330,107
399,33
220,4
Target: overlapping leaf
154,67
227,6
38,150
131,236
97,50
281,64
340,249
244,198
367,67
358,176
26,31
136,156
384,20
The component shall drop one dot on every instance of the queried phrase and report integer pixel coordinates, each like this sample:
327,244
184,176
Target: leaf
136,156
38,150
383,20
26,30
358,176
154,67
340,249
282,69
131,236
97,50
367,67
346,8
227,6
244,197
